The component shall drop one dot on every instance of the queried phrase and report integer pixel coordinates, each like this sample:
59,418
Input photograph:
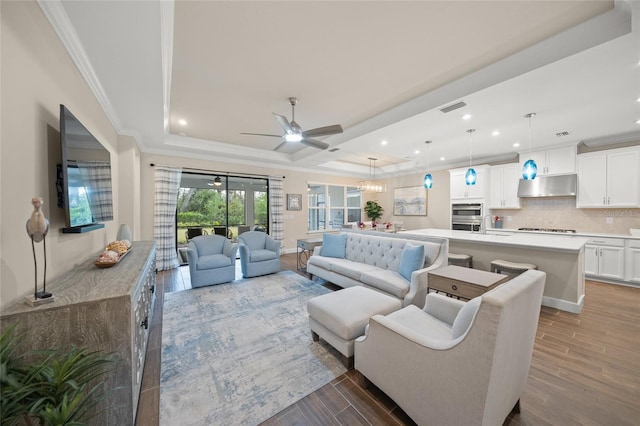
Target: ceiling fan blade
262,134
277,148
284,123
315,143
323,131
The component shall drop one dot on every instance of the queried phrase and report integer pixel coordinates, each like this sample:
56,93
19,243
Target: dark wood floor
585,369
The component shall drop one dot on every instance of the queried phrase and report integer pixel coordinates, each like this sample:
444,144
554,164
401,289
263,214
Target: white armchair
456,363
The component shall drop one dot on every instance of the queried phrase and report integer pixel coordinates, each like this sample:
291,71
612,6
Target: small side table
305,249
464,282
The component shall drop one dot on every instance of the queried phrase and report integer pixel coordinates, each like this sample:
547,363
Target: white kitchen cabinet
632,261
604,257
556,161
459,189
609,179
504,186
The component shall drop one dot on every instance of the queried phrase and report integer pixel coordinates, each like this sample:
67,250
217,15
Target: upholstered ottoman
341,317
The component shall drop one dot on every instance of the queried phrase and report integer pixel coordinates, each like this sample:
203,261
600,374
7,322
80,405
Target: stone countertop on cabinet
569,234
531,240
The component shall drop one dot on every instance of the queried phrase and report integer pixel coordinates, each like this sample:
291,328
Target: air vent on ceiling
453,107
561,134
334,149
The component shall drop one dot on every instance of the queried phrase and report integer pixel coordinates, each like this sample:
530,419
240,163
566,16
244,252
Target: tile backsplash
561,212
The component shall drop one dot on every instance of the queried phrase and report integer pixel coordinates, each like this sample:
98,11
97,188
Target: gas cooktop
564,231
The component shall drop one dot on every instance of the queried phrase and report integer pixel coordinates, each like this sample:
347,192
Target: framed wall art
410,201
294,202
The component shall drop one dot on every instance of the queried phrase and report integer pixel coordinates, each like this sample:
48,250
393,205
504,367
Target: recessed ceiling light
417,151
383,142
495,133
442,158
516,145
637,121
638,100
182,122
466,117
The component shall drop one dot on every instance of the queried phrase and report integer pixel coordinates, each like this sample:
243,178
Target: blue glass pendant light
530,168
428,179
471,175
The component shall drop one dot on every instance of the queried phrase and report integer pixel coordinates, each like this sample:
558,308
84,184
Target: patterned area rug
238,353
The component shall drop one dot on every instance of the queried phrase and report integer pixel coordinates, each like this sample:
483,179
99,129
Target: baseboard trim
563,305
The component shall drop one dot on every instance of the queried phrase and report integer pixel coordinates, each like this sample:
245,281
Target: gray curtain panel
167,183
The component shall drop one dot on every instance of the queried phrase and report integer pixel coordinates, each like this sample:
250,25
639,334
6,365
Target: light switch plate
609,220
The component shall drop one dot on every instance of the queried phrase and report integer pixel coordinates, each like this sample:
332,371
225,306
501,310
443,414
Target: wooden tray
110,264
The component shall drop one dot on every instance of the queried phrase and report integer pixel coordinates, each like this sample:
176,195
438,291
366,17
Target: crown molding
59,20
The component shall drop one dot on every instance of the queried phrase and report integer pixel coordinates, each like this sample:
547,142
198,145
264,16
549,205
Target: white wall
37,76
295,182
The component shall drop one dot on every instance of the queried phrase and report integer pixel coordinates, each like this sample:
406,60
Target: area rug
238,353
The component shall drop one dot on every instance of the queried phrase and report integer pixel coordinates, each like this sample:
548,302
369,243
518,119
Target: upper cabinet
556,161
459,189
504,186
609,179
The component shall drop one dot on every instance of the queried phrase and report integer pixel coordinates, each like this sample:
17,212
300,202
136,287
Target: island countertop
527,240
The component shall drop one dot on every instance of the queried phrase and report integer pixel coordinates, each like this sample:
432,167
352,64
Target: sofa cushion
413,317
213,261
465,317
334,245
260,255
388,281
350,269
411,260
321,261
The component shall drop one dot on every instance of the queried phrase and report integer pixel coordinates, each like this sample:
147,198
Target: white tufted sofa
372,261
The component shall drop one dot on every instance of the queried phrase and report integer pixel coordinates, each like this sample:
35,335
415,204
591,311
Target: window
331,206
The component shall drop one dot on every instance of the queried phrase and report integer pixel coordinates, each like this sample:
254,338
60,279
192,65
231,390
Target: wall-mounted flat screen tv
86,194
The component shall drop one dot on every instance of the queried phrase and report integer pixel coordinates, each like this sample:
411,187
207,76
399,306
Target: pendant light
530,168
372,185
471,175
428,179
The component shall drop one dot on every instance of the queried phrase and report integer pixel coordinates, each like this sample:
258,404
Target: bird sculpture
37,228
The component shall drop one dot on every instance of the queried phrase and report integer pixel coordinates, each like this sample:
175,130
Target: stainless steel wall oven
466,217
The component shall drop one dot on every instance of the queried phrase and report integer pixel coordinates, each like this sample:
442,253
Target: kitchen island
561,257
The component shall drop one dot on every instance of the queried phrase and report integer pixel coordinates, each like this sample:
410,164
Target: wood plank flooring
585,369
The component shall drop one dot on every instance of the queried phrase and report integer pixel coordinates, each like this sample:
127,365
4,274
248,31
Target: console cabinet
103,310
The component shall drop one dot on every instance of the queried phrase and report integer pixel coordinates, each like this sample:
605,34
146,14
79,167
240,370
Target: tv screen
86,174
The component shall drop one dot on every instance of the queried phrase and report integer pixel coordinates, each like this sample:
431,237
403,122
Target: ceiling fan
294,133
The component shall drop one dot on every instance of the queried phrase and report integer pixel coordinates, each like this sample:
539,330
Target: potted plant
374,211
49,387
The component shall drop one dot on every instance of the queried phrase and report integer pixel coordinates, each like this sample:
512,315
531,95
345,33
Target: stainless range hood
549,186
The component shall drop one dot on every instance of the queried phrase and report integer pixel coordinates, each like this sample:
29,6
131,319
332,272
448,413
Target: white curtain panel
96,175
167,183
276,208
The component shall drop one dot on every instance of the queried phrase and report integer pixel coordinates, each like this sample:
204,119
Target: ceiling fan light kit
293,133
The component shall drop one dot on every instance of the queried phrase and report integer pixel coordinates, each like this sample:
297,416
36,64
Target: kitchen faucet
484,221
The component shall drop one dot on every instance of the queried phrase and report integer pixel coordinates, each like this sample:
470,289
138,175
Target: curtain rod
222,173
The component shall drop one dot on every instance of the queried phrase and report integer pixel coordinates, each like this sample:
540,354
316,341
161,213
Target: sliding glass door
219,205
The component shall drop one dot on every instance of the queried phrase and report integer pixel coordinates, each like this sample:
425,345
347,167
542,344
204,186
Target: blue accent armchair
259,254
212,260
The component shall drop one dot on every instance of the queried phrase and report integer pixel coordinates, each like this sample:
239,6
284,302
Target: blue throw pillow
411,260
334,245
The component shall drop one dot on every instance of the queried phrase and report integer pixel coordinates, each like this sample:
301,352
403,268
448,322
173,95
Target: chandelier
372,185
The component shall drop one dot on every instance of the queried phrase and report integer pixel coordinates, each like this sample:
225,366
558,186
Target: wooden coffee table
464,282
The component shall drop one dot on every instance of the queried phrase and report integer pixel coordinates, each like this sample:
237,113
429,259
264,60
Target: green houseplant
49,387
374,211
